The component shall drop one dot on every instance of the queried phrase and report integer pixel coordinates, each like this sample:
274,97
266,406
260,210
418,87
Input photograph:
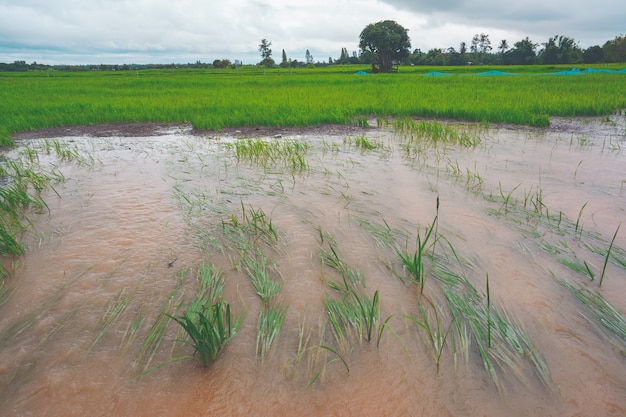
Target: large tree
266,53
384,42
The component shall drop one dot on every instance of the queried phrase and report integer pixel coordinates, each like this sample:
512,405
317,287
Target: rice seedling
270,321
608,255
254,228
434,132
413,262
353,312
256,267
383,234
156,332
338,357
501,343
114,310
209,330
363,143
580,213
289,154
599,311
350,277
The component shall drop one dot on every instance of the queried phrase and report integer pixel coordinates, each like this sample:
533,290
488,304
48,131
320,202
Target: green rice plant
352,313
383,234
362,142
580,213
69,152
501,343
314,97
156,332
257,268
114,310
350,277
254,227
608,255
289,154
599,311
338,357
434,132
209,330
413,262
211,286
270,321
597,245
433,327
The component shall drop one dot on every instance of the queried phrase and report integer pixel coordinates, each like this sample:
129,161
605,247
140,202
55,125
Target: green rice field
214,99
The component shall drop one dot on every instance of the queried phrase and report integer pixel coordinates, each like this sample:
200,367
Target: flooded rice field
421,269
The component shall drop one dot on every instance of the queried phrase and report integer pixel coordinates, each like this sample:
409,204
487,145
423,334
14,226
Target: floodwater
125,234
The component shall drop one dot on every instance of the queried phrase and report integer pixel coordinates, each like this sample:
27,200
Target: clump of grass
114,310
362,142
413,262
331,258
254,227
209,330
257,268
600,312
353,311
289,154
156,332
208,322
501,342
433,132
270,321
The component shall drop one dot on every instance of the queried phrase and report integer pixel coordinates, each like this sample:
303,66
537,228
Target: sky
181,31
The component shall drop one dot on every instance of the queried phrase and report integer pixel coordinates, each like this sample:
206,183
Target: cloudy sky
181,31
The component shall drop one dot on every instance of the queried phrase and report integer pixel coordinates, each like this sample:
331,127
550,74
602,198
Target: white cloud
116,31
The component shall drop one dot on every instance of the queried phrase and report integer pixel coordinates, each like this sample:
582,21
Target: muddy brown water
120,245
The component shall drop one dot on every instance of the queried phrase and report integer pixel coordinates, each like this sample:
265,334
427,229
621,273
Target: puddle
123,238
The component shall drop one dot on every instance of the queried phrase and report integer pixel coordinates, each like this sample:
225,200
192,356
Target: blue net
495,73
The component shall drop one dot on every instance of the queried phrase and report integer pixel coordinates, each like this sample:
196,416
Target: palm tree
504,45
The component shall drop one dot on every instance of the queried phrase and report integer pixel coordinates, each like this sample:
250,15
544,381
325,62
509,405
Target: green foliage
209,330
208,321
384,42
599,311
244,97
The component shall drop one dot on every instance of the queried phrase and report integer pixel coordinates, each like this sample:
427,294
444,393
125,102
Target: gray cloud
115,31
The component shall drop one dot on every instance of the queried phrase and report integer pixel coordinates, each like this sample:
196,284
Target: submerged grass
599,312
270,321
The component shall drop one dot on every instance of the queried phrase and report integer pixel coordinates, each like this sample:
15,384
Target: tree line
559,49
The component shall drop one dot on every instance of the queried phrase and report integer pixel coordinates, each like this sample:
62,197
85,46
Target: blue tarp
492,73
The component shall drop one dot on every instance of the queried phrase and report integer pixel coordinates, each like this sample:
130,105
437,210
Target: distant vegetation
559,49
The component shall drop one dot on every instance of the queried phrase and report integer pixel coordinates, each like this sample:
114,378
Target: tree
385,42
266,53
344,58
615,50
561,50
308,58
222,63
285,63
523,53
593,55
474,47
504,45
